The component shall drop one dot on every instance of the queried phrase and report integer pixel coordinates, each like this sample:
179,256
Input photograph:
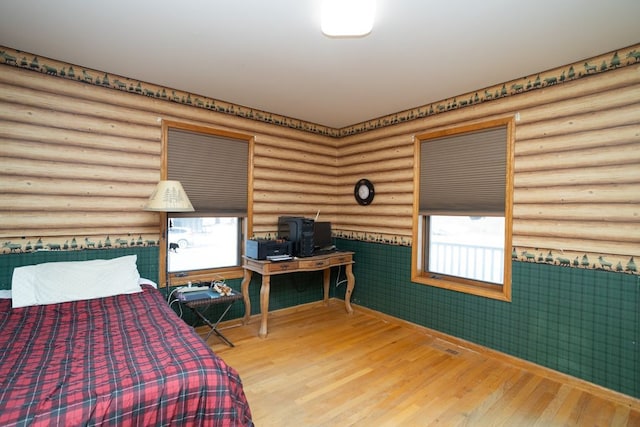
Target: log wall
577,168
78,160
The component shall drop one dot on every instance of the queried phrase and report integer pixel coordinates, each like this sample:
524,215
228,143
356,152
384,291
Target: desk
314,263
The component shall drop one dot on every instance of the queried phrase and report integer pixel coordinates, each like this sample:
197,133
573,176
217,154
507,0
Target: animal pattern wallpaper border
583,260
76,244
556,76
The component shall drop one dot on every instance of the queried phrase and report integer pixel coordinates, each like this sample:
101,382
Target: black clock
364,192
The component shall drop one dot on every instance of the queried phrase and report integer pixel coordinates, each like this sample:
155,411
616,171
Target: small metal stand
199,306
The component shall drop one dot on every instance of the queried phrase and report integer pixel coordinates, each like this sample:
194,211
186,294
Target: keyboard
279,257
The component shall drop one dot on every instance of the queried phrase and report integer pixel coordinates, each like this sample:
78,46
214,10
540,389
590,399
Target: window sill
481,289
206,275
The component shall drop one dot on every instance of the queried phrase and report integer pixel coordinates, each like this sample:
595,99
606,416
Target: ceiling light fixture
347,18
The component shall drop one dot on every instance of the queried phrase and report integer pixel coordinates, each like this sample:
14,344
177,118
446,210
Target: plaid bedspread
123,360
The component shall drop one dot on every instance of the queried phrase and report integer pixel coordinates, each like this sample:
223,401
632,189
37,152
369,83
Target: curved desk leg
326,279
351,281
245,294
264,304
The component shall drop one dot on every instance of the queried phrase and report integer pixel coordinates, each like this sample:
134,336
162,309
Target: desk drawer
314,263
342,259
281,266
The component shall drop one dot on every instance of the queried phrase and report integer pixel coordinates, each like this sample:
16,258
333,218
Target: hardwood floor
320,366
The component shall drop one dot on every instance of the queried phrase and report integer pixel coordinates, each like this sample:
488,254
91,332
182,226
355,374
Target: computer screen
322,234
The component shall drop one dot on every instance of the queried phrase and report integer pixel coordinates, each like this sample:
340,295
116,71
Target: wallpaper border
586,68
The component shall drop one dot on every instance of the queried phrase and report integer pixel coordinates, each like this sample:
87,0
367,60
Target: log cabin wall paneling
79,159
78,162
577,171
292,177
386,159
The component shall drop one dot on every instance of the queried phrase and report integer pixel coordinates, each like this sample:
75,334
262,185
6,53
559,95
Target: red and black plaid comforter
123,360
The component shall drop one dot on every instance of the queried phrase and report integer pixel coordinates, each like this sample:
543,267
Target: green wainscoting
582,322
147,260
287,290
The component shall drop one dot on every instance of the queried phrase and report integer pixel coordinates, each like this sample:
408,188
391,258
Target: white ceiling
272,56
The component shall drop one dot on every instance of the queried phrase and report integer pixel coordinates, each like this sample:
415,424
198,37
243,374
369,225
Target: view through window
203,243
469,247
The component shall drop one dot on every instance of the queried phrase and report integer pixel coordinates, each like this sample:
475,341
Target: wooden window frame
246,225
419,272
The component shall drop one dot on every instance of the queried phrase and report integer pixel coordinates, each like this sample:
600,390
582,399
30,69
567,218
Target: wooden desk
314,263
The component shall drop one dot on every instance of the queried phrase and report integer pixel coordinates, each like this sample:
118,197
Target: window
203,243
471,247
462,211
213,167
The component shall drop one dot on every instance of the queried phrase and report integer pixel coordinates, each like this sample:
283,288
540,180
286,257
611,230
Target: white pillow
54,282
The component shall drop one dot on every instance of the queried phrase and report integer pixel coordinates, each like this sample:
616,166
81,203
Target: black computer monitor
322,235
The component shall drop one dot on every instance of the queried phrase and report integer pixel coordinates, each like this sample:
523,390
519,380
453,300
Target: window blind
212,170
464,174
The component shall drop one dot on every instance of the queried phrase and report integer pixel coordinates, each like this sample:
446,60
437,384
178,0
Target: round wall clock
364,192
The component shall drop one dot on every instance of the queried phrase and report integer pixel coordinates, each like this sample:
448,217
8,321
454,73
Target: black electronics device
299,231
197,295
322,238
263,248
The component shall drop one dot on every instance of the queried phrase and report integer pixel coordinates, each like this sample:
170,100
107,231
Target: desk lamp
169,196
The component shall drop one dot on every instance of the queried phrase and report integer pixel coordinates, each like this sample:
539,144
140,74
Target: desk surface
314,263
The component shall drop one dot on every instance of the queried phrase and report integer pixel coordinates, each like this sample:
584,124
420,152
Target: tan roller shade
212,170
464,174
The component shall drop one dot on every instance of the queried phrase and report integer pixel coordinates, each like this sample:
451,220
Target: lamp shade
169,196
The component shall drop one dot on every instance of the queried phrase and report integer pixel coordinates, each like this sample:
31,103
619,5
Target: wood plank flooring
320,366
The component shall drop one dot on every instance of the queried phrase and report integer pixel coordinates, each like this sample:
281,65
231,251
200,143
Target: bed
122,359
